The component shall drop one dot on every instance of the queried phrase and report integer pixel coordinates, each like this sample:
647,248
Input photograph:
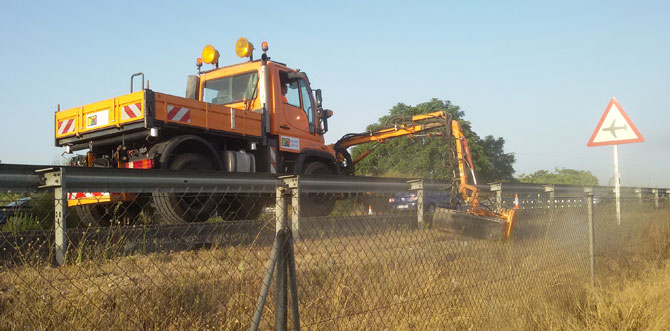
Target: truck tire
242,208
315,205
94,215
177,208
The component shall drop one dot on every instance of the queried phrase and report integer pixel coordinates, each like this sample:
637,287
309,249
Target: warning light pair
243,48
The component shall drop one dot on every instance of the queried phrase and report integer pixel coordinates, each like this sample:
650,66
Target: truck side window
293,94
231,89
307,105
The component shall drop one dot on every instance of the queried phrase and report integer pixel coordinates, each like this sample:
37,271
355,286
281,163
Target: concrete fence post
654,191
417,185
281,226
293,186
287,190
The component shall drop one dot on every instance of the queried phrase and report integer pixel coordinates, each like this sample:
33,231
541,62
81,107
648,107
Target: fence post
417,185
282,258
592,254
654,191
497,187
293,185
286,273
55,177
281,227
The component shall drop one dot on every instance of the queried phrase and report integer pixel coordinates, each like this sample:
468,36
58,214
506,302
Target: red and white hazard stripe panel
66,126
273,159
131,111
179,114
141,164
79,195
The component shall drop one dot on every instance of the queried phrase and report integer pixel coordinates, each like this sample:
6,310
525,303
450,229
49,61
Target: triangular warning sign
615,128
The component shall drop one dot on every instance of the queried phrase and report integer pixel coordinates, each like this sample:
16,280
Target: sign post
621,130
617,185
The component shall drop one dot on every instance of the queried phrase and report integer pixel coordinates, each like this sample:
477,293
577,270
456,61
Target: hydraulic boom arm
426,125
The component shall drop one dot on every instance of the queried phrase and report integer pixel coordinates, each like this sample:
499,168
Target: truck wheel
242,208
94,215
103,214
317,204
185,207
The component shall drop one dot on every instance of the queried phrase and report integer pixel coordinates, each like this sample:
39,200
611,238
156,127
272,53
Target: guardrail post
592,255
552,211
552,195
654,191
497,188
638,193
417,185
55,177
587,189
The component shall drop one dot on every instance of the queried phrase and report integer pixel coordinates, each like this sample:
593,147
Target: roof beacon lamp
210,55
243,48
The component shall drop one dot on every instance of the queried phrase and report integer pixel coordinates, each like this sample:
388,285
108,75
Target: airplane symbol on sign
613,128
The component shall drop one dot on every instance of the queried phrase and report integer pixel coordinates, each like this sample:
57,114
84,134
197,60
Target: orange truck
256,116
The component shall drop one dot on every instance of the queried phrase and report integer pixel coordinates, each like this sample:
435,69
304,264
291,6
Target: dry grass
357,276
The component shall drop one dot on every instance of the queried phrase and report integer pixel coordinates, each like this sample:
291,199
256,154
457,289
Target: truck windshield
231,89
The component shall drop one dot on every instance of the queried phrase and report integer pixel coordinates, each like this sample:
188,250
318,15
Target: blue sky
539,74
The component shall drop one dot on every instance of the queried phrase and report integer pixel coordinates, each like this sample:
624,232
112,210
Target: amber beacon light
243,48
210,55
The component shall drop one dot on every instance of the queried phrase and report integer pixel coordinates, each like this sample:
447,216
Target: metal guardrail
25,177
19,176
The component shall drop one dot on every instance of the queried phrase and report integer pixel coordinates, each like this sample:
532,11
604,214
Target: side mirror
323,115
319,100
326,113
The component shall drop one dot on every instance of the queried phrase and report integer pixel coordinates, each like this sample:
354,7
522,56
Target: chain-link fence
108,249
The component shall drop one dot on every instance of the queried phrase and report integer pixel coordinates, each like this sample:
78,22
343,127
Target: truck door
298,111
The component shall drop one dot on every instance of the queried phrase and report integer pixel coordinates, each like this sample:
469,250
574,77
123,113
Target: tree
427,157
560,176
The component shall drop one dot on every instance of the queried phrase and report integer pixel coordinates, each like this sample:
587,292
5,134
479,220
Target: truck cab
291,113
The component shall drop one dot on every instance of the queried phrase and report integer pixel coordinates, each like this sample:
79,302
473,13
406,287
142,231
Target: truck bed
141,110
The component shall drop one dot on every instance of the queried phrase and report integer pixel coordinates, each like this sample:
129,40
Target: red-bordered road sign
615,127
